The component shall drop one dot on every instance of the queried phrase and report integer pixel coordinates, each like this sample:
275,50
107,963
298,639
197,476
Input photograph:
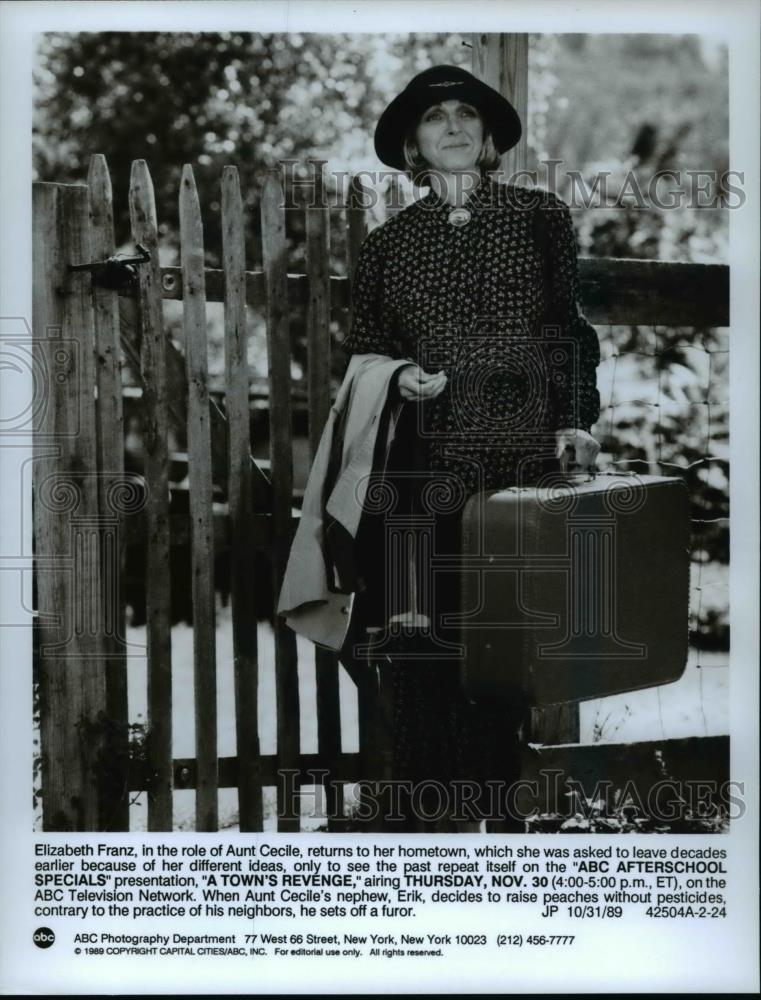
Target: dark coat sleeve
372,325
574,380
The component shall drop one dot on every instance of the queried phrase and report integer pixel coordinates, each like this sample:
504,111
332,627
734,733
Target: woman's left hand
583,446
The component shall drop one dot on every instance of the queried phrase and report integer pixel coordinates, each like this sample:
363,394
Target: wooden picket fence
83,677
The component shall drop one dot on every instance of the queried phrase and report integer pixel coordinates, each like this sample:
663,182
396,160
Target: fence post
501,60
241,506
201,518
74,740
113,488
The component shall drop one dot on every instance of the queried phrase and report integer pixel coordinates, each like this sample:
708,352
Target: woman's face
450,135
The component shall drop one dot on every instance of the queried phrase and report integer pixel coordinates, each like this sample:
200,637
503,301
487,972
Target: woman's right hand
416,385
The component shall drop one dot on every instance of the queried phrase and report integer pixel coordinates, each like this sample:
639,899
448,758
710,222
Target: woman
475,283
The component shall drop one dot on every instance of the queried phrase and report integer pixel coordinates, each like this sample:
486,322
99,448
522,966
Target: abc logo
43,937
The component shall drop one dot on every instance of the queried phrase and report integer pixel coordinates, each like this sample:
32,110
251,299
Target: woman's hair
418,166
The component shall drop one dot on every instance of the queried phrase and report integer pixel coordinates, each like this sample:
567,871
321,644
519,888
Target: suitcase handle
566,457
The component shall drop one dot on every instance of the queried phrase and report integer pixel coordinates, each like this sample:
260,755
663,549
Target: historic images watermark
308,185
666,801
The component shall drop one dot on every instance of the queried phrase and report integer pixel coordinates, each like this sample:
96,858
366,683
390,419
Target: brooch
459,217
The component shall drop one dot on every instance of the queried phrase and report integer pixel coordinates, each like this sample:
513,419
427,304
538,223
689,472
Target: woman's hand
416,385
583,448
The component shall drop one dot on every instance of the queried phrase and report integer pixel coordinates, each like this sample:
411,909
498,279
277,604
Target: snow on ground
696,705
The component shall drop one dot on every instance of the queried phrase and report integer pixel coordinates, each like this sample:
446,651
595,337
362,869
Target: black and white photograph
372,383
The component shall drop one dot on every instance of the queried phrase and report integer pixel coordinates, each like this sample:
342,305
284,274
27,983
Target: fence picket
281,464
66,522
110,445
393,199
241,508
318,348
201,520
153,364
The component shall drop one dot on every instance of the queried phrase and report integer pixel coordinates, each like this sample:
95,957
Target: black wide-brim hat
443,83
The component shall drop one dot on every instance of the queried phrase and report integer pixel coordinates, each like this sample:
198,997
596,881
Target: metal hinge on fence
117,272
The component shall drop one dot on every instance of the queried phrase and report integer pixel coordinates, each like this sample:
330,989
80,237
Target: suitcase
576,590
